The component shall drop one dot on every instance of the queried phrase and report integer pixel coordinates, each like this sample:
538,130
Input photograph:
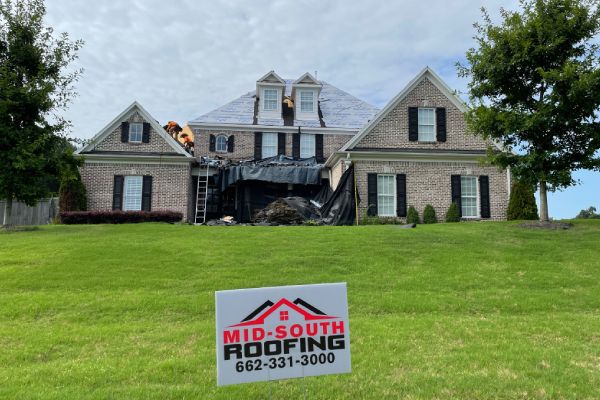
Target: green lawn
449,311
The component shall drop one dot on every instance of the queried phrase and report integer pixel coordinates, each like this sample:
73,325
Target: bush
521,204
412,217
72,194
429,216
453,215
377,220
119,217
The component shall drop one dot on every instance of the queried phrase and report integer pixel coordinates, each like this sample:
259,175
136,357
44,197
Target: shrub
412,217
521,204
453,215
119,217
72,194
377,220
429,216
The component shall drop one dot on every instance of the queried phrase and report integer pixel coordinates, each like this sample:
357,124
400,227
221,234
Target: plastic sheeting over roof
339,109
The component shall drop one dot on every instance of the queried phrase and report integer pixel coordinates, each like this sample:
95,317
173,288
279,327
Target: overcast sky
183,58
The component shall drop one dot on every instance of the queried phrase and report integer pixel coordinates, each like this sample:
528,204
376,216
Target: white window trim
313,153
477,198
312,95
394,195
262,150
126,181
217,144
264,103
131,125
434,140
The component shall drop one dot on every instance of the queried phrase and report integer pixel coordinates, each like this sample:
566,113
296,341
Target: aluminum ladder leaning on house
201,198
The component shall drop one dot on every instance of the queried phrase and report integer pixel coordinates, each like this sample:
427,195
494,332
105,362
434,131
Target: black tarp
278,169
340,207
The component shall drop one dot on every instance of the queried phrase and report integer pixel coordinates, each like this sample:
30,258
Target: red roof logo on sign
305,310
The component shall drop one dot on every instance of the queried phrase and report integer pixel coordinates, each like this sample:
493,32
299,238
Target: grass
447,311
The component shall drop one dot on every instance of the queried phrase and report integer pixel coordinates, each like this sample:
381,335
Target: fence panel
41,214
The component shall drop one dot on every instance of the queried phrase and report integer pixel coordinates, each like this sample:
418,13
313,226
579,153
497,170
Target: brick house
307,133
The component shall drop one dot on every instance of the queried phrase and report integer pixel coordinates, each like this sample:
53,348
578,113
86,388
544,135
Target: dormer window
135,132
307,102
270,99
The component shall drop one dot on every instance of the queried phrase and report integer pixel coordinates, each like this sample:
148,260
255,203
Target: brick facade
429,183
157,143
392,131
170,184
243,148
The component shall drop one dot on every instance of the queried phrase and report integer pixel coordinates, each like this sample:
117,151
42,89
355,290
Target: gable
306,79
389,129
271,77
109,140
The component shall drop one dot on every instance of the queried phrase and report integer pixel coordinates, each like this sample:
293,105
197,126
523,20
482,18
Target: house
300,137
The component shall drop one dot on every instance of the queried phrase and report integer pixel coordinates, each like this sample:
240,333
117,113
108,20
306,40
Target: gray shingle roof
340,110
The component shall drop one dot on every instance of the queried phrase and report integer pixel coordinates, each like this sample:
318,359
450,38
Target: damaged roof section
337,109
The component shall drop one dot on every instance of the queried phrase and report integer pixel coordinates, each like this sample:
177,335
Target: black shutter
257,145
281,143
124,132
413,124
372,194
118,193
212,141
230,144
147,193
296,145
401,195
146,133
484,196
319,148
440,122
455,179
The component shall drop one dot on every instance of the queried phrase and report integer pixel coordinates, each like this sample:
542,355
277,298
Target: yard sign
282,332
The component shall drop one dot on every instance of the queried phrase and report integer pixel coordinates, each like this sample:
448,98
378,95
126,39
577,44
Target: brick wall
170,184
112,142
392,131
429,183
244,144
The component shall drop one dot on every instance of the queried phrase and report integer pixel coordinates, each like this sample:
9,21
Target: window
283,316
386,195
306,101
426,125
135,132
221,144
270,99
132,193
307,145
468,193
269,145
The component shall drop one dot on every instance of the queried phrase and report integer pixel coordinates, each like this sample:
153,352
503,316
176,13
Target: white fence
40,214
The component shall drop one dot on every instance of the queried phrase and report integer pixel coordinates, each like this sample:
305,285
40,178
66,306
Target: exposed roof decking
339,109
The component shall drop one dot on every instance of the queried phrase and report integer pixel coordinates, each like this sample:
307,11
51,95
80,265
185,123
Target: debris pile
225,221
279,212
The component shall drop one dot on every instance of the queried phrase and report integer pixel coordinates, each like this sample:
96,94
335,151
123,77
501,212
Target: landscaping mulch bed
546,225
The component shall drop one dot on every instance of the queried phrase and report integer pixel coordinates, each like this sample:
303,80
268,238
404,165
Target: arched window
221,145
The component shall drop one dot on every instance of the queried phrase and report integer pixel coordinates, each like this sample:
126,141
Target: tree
34,87
535,88
590,213
522,202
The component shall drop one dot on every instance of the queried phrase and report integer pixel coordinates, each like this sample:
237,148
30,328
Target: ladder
201,198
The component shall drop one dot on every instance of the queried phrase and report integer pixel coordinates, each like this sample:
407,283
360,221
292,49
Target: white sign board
282,332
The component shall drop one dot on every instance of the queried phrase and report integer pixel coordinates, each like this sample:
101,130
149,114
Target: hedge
119,217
